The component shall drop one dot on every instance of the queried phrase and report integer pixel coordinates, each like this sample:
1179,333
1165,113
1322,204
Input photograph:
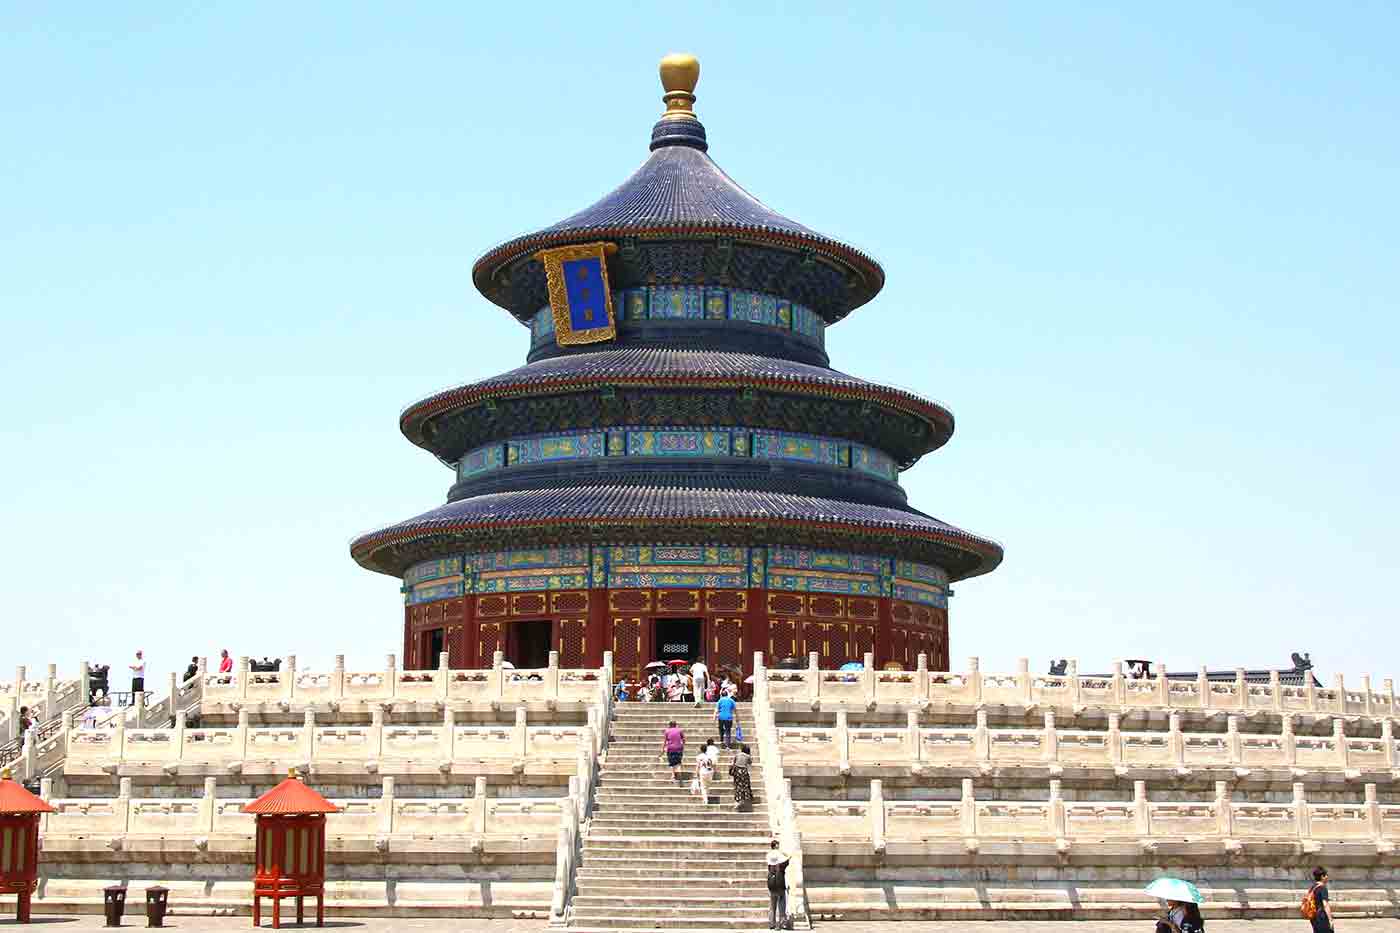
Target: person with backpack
1317,903
724,716
777,888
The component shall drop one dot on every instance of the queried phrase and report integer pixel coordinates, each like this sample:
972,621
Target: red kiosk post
19,842
290,848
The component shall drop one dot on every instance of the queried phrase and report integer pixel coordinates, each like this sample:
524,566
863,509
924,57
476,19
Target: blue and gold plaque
579,294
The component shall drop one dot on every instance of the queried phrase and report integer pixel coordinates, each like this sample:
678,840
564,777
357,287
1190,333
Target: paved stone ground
417,925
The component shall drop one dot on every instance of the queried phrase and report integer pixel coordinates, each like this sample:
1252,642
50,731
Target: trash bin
113,904
156,898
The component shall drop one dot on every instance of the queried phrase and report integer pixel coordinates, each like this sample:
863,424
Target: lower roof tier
631,514
454,421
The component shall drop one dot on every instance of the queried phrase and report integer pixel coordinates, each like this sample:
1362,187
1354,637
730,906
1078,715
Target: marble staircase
655,857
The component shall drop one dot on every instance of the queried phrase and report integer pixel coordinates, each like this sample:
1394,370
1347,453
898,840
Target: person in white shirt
701,675
138,676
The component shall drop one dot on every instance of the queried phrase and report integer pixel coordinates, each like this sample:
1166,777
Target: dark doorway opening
530,643
677,639
434,644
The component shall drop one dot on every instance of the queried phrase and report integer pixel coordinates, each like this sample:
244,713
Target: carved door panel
838,644
573,642
814,639
627,648
862,640
457,647
488,642
899,647
726,644
782,640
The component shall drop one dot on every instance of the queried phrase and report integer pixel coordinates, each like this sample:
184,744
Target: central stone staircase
656,858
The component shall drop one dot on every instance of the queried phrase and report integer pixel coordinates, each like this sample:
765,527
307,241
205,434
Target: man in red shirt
225,662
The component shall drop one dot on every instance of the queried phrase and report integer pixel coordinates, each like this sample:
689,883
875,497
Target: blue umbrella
1174,889
853,666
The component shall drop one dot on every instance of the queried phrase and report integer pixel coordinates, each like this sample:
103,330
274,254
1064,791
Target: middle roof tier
660,386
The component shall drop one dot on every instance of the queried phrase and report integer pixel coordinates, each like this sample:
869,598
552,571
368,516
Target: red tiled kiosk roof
15,799
290,797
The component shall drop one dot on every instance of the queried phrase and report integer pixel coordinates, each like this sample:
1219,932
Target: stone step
737,902
595,927
671,847
616,871
640,892
687,828
662,916
647,863
609,807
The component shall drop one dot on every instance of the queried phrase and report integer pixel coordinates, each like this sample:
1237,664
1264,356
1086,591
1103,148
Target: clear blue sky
1148,257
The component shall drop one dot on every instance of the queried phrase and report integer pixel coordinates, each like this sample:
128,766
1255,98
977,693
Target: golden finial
680,72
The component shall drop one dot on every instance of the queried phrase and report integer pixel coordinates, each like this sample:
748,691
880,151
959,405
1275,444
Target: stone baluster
447,746
1339,739
240,735
1023,680
1072,671
498,678
1142,810
608,664
520,736
201,666
915,738
46,795
118,744
1176,741
974,679
208,806
11,716
982,739
123,804
1275,692
968,815
1241,690
574,800
1339,686
70,719
1367,701
84,684
386,806
177,739
1289,741
867,677
1050,744
921,677
1373,814
1115,740
174,697
1301,813
1119,688
391,674
1162,688
1310,691
244,669
1224,811
338,678
374,739
1056,812
21,674
1203,688
1388,740
1232,739
478,808
444,676
50,677
877,816
288,679
551,679
814,678
307,745
1388,695
842,739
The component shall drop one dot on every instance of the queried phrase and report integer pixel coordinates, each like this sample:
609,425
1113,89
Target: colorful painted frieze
706,555
873,462
676,301
532,558
433,570
481,460
672,579
432,592
542,325
922,573
678,443
851,584
529,580
808,323
758,566
633,306
806,559
915,593
799,447
754,307
555,447
716,304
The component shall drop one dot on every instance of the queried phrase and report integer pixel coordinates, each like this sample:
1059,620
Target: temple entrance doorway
529,643
433,642
677,639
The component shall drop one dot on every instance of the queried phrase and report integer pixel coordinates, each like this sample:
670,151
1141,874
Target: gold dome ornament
680,72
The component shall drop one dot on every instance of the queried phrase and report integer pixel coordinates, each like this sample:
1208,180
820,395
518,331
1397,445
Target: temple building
676,470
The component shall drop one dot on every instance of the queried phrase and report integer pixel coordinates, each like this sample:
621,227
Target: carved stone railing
1072,692
494,686
573,824
46,699
917,748
880,824
782,817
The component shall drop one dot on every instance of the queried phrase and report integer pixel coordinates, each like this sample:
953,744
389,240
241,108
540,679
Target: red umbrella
678,663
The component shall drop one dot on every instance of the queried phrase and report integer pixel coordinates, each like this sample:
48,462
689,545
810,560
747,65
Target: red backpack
1309,906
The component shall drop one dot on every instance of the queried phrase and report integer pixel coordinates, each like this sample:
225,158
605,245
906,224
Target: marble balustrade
1072,691
914,747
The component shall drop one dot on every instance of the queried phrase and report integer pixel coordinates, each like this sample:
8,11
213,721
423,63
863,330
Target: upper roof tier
681,220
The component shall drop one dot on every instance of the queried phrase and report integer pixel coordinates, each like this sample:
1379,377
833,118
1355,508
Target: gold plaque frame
554,260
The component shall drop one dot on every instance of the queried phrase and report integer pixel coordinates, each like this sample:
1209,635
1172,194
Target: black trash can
113,904
156,898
